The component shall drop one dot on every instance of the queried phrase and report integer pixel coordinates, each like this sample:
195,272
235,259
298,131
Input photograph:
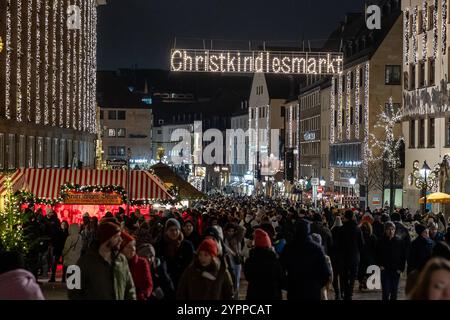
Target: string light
46,63
68,78
250,138
424,29
406,35
435,29
332,109
29,86
38,115
339,106
444,27
347,106
74,73
54,53
19,68
291,130
94,72
414,26
8,61
80,77
366,118
357,101
298,140
61,65
85,64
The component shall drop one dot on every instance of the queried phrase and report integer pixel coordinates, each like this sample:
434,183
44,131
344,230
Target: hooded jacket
19,284
305,264
73,246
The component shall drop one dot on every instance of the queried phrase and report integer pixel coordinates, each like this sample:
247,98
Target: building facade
426,122
124,128
48,81
371,76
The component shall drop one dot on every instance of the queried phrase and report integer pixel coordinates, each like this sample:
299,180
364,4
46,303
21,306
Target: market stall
72,193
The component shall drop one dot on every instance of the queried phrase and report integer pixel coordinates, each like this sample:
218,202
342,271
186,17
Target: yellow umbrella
437,197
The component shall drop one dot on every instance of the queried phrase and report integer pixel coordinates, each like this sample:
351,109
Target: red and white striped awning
17,179
46,183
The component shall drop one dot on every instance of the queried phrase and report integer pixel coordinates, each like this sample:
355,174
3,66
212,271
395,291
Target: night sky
141,32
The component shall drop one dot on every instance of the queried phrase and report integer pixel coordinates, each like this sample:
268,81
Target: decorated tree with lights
12,222
388,150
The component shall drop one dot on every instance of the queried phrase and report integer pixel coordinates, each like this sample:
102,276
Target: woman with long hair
433,282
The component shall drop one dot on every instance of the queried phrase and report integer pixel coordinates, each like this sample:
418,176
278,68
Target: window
283,112
421,133
121,151
121,115
420,17
431,71
111,151
352,79
21,152
412,76
101,114
121,133
431,133
55,153
11,151
351,115
421,74
40,152
405,80
361,116
30,152
412,134
2,151
343,117
158,131
392,75
48,152
361,77
112,115
62,154
111,133
335,118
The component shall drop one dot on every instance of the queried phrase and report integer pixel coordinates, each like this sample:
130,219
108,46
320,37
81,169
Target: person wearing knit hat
262,239
139,267
263,270
172,222
206,278
105,274
421,230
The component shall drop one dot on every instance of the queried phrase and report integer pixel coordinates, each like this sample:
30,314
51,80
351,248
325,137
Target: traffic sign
320,189
314,181
116,162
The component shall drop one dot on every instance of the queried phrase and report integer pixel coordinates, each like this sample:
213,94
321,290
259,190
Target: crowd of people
280,249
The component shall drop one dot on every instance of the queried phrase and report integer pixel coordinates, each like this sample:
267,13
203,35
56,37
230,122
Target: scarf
171,246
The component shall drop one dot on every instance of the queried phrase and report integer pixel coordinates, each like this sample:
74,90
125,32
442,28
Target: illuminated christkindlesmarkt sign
228,61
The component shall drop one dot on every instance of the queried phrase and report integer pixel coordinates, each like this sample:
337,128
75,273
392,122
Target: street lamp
322,183
352,181
425,173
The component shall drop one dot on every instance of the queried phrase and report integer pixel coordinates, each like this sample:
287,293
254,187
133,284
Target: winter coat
420,253
103,281
369,252
378,229
211,283
350,244
142,278
305,264
264,275
72,247
391,254
194,238
19,284
336,258
325,233
163,287
177,264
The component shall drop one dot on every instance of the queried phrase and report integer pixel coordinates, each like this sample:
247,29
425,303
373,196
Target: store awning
17,179
46,183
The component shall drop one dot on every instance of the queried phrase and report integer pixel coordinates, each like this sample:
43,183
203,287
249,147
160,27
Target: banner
93,198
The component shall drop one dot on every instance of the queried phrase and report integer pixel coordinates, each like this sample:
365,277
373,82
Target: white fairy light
18,56
46,62
54,53
339,106
357,102
298,140
406,36
38,115
62,89
68,86
74,73
414,27
94,72
29,85
435,29
85,63
250,138
80,76
424,29
291,130
8,61
444,27
347,107
332,109
366,117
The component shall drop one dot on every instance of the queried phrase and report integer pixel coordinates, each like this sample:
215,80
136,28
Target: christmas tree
11,222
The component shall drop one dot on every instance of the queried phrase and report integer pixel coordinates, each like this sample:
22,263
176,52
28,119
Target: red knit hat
210,246
126,239
106,231
262,239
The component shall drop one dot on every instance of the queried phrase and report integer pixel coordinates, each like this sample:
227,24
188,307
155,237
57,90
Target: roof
186,190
